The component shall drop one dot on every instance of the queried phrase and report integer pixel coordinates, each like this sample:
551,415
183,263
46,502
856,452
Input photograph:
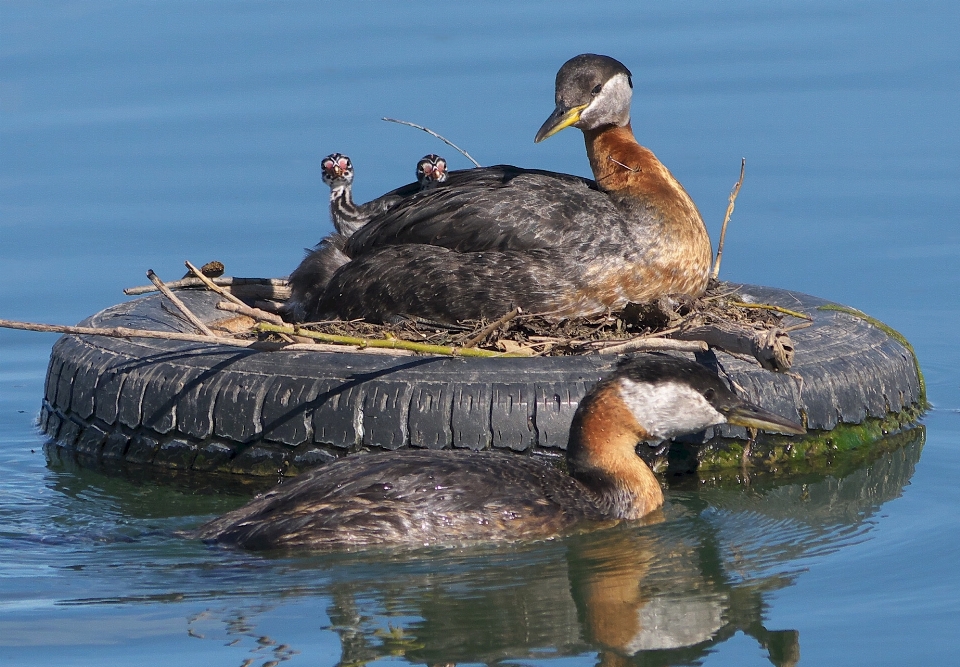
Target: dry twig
473,341
124,332
212,286
771,348
255,313
223,281
181,306
655,344
431,132
726,219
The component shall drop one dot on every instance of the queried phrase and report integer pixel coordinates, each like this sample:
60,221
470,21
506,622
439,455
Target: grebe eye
596,89
709,394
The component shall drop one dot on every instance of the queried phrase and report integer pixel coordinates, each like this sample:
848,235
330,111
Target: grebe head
670,396
591,91
657,397
431,171
336,171
650,397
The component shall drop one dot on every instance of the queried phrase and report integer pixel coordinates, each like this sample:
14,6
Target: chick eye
709,394
596,89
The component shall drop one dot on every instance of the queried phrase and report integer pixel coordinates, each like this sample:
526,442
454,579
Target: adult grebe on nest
322,262
553,244
415,497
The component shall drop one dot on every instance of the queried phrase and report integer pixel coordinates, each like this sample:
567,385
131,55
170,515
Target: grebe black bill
322,261
417,497
552,244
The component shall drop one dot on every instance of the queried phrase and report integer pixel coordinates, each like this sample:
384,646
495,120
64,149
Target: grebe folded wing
493,208
439,495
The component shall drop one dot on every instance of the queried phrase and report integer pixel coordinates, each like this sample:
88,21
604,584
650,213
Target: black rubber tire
195,406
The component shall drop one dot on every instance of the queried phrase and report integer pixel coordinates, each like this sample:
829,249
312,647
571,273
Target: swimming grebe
448,497
326,257
554,244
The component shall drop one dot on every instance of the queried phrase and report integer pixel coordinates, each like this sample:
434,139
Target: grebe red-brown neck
554,244
418,497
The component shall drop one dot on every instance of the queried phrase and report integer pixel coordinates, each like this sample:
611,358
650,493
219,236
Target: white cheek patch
612,105
668,409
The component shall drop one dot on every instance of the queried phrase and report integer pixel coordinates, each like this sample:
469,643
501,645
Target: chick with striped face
336,170
431,171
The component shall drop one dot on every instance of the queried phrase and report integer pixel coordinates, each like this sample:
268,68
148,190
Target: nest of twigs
719,318
537,335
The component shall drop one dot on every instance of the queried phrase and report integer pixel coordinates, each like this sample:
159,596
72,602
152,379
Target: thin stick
726,219
635,170
393,344
255,313
489,329
431,132
123,332
267,305
769,306
212,285
659,335
331,347
651,344
223,281
795,327
194,320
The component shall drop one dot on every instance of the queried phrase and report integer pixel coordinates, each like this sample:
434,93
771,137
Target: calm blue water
135,135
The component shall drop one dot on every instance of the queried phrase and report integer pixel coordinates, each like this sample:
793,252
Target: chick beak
560,118
752,416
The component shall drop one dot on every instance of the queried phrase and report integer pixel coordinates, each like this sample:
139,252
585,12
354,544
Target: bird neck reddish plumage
601,454
623,167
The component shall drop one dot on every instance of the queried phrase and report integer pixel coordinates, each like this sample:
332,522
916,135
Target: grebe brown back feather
417,497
